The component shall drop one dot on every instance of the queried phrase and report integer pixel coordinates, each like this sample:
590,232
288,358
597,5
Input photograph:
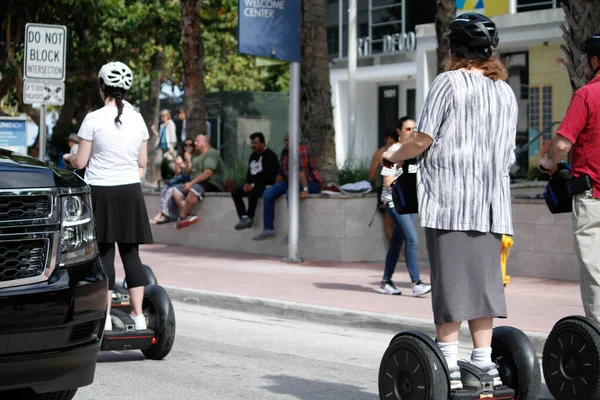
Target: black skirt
120,214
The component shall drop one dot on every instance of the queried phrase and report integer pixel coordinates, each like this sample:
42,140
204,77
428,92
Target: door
388,110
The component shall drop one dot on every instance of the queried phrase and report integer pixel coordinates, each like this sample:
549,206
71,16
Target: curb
322,314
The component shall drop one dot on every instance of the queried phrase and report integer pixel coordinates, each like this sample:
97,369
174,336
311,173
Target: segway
571,359
413,367
156,341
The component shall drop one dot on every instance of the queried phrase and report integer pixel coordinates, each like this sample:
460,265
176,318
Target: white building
397,63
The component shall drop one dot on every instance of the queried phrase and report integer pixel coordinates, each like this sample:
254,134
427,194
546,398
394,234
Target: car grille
14,208
20,259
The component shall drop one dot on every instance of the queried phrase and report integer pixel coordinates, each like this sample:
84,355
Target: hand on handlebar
547,166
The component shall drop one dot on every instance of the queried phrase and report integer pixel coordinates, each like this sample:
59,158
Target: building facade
396,62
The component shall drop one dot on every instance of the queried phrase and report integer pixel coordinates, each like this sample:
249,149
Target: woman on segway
466,139
113,146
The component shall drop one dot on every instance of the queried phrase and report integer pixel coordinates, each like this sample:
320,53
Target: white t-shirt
115,147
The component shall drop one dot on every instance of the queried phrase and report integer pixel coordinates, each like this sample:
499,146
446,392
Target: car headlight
78,235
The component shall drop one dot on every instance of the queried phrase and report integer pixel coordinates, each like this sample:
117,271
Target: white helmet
116,74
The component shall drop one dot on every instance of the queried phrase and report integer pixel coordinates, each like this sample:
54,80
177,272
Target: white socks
140,322
450,352
108,323
482,357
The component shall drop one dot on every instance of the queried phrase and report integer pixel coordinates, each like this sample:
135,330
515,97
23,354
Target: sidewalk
338,293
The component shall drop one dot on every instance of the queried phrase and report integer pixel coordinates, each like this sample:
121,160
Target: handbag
556,193
404,191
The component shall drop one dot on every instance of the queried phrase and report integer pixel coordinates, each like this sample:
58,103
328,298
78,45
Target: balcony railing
525,5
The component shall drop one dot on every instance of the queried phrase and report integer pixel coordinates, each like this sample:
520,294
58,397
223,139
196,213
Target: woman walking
113,145
466,139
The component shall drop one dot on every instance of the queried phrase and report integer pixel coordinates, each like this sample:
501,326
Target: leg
393,253
407,226
253,197
481,332
190,201
237,194
134,274
389,226
178,196
447,336
107,258
586,231
270,195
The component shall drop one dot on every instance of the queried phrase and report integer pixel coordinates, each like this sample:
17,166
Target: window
540,111
333,42
532,5
547,111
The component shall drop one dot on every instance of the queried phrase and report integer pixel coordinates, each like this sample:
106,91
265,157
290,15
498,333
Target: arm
559,150
411,148
375,164
171,136
81,159
569,130
388,180
205,175
143,154
303,179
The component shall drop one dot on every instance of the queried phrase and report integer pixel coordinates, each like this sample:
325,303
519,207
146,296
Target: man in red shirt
310,182
580,131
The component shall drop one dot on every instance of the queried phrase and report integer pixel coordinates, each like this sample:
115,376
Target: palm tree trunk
193,67
582,21
316,111
444,15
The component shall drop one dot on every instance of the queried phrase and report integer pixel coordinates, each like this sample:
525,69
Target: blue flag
269,28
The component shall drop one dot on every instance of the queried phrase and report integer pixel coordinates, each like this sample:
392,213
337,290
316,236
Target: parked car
53,290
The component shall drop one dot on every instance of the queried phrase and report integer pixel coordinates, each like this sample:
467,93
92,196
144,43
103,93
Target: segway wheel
149,277
517,361
571,359
410,369
160,315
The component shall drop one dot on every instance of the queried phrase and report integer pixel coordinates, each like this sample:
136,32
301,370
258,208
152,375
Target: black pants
134,272
238,193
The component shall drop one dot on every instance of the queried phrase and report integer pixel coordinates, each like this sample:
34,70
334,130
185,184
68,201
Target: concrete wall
336,229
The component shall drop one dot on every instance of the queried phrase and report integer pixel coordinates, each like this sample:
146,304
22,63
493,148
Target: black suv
53,290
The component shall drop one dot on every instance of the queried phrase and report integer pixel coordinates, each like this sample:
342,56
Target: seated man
310,182
207,172
261,172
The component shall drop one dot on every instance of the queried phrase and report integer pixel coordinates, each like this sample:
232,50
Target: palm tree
316,111
582,20
445,12
193,67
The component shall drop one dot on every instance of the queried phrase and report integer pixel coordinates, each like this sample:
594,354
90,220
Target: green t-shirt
213,161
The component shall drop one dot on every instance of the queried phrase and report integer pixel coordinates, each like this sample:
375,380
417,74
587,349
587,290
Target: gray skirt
466,275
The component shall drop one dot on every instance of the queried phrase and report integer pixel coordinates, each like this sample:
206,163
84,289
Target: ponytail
118,95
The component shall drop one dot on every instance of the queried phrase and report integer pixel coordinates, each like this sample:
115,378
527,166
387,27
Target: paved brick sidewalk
533,304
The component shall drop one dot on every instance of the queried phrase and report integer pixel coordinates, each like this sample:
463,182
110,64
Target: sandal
163,220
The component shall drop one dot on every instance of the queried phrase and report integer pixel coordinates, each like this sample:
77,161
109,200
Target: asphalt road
232,355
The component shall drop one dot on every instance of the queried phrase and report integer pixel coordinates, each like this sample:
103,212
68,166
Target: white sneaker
140,322
108,324
420,288
388,287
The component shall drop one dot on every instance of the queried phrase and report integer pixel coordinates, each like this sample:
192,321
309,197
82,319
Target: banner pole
294,164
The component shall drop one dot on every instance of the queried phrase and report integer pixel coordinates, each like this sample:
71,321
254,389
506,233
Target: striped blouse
463,182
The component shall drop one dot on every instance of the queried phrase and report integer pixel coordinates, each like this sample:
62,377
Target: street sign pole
42,133
294,164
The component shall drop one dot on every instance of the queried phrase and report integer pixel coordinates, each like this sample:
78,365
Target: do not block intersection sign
45,51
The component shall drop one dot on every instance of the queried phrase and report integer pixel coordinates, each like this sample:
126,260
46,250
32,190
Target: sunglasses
188,145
